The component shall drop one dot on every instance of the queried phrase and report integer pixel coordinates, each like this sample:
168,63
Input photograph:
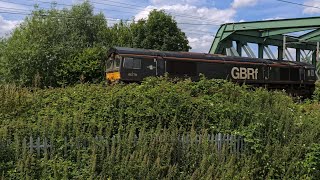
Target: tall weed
279,133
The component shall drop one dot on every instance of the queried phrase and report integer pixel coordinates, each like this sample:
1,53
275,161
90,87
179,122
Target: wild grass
282,136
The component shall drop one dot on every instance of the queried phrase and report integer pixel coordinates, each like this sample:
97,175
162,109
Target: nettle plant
281,136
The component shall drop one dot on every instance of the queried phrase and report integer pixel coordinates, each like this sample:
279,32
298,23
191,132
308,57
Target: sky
199,19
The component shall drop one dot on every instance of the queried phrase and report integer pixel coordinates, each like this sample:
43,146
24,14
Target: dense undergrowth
282,137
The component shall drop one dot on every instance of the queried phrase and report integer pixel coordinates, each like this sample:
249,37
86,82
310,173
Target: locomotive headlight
113,76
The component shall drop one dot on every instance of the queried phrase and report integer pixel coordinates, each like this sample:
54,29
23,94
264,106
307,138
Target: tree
121,35
2,46
61,47
2,65
47,48
159,31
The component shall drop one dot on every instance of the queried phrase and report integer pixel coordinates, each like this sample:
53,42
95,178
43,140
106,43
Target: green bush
312,160
316,95
279,133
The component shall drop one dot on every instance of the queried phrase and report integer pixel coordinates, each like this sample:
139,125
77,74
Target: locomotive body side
133,65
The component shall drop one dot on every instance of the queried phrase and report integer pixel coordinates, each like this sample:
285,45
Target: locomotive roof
203,56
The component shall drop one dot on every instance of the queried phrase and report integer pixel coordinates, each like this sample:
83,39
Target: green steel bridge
286,39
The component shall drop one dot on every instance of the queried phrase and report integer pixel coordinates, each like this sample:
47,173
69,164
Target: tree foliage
60,47
2,61
2,46
159,31
121,34
47,47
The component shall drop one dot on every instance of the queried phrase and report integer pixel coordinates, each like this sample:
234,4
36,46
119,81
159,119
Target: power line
5,11
15,9
197,33
299,4
8,12
205,24
128,6
12,10
17,3
123,3
196,30
143,8
200,24
183,30
132,6
69,5
24,12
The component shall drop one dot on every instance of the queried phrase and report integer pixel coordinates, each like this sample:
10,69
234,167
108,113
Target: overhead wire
126,5
114,19
20,11
184,30
299,4
6,10
143,8
200,32
9,12
132,6
14,9
26,12
44,15
197,32
70,5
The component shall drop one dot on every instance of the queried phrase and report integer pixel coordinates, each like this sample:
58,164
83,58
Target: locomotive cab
310,74
113,67
126,66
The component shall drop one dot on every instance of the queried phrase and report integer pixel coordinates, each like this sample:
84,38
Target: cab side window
132,63
117,61
312,73
109,64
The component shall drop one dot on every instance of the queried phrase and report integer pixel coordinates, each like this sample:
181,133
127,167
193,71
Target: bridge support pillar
298,54
280,53
314,57
260,50
239,47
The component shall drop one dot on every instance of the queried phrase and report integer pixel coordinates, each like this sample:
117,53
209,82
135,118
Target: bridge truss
286,39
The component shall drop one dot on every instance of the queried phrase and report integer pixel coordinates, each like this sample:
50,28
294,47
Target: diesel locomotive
133,65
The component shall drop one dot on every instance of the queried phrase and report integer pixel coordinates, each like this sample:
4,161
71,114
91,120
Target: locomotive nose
112,76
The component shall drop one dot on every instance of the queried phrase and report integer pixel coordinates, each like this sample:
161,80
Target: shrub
279,133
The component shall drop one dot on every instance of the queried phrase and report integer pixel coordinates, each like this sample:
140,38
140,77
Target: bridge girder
269,33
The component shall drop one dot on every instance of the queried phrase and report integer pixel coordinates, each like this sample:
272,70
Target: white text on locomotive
244,73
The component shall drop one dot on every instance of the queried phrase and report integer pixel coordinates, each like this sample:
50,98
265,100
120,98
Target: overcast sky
200,19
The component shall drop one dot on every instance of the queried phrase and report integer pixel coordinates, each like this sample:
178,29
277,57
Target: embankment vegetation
281,136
